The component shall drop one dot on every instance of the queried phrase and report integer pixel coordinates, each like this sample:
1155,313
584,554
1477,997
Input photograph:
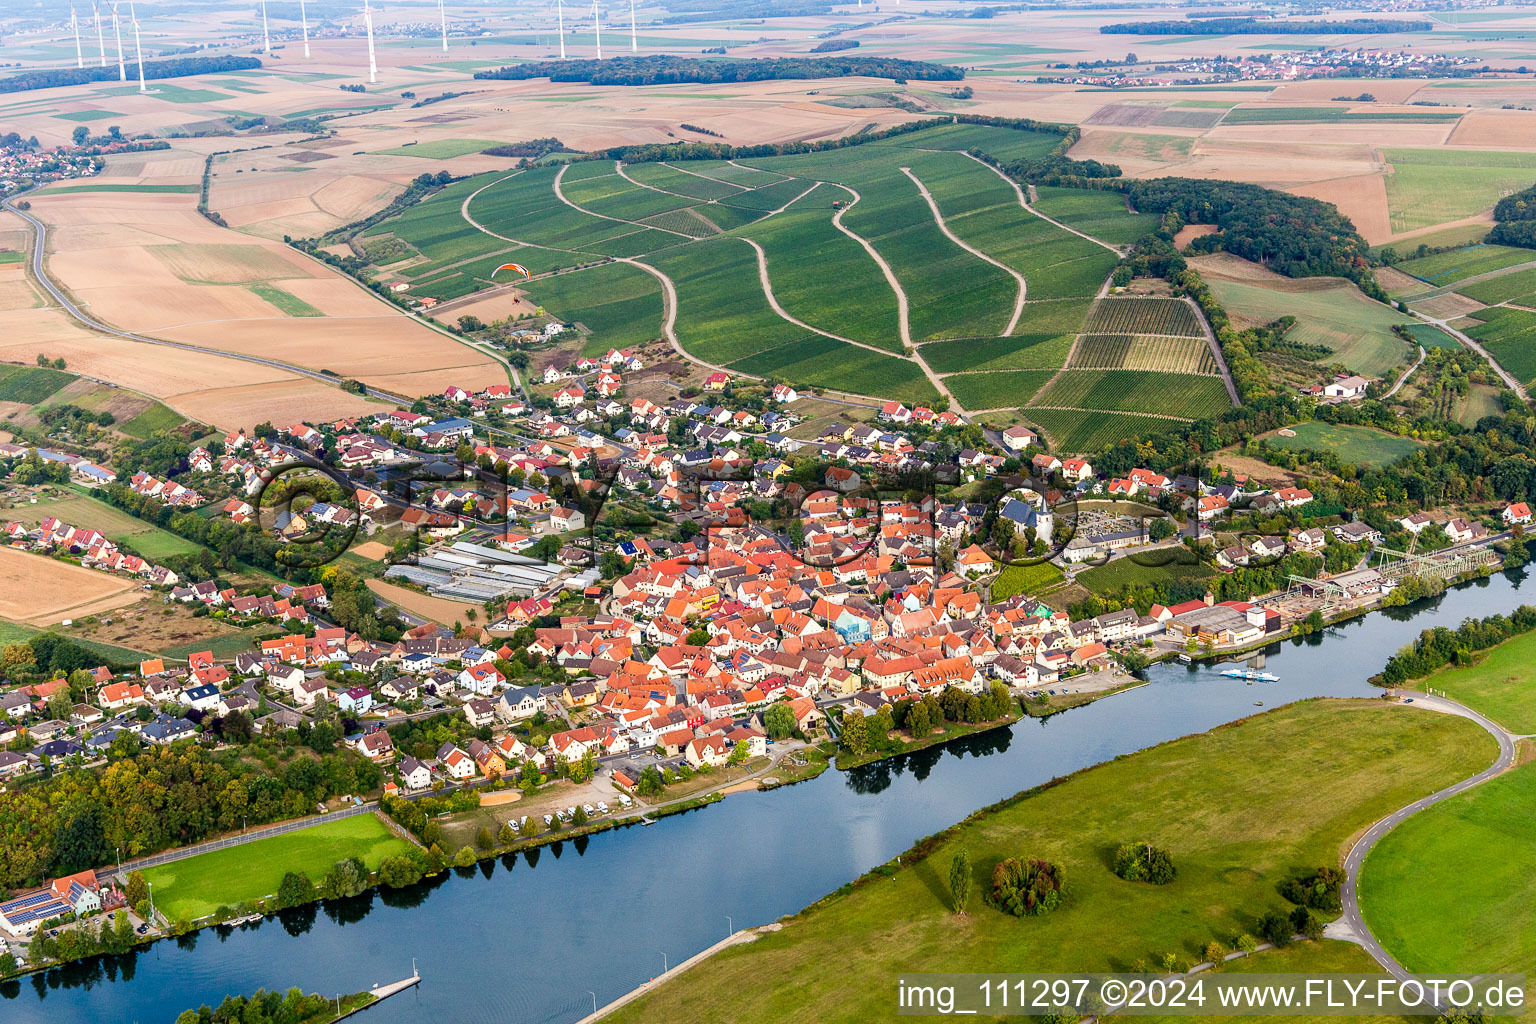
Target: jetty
381,993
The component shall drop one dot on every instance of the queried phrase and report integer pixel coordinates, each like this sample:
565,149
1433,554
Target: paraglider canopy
513,266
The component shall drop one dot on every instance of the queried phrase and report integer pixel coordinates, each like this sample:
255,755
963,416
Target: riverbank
828,830
1295,784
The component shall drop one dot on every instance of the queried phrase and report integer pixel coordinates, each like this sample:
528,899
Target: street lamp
663,961
594,1001
730,926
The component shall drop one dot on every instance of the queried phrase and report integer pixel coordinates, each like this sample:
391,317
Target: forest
178,67
669,70
1516,216
1264,27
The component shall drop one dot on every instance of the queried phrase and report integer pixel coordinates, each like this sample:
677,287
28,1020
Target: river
531,938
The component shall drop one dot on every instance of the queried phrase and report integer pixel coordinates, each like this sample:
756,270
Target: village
776,595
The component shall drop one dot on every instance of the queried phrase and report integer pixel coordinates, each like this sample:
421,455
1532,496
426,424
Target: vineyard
1181,395
1128,352
1143,315
835,268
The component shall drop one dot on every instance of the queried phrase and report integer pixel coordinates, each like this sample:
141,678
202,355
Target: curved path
938,218
902,305
560,195
1210,340
1508,378
1024,202
1406,374
1351,925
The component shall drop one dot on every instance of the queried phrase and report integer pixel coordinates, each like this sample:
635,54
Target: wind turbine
75,26
117,30
597,29
304,19
266,40
560,14
443,21
137,48
100,40
634,45
373,67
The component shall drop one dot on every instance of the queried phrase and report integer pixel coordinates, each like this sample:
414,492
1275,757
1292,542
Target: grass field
1296,784
1449,267
1508,334
1362,446
156,417
16,632
198,886
148,540
289,303
1329,115
440,149
1426,187
1451,887
108,186
1502,685
1335,315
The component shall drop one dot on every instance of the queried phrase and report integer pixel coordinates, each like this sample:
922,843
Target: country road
39,248
1351,925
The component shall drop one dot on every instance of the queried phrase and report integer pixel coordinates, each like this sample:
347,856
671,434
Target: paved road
1406,374
1467,340
1351,920
40,235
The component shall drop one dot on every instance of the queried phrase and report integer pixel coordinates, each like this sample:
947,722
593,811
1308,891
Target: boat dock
381,993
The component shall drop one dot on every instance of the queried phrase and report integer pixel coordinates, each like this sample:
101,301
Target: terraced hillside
903,268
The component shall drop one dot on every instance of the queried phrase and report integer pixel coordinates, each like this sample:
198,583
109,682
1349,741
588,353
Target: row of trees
178,67
1263,26
861,734
1435,648
157,799
662,69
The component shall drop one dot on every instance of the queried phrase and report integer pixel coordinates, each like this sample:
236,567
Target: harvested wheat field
437,609
43,591
148,263
225,393
1448,306
1362,198
1189,232
1497,129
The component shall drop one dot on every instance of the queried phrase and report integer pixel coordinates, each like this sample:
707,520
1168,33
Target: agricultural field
1077,430
1133,352
1146,315
197,886
1100,214
1509,335
618,305
1178,395
1431,336
1517,286
997,389
30,385
746,245
145,539
1330,312
1426,187
1362,446
1449,267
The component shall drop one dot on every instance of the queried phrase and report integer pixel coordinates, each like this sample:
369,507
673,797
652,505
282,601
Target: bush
1143,862
1319,890
1306,922
1276,927
1021,887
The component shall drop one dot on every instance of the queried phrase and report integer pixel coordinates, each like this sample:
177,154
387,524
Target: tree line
1264,27
1435,648
668,70
178,67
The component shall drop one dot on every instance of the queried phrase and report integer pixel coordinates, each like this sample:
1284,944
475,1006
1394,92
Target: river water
530,939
